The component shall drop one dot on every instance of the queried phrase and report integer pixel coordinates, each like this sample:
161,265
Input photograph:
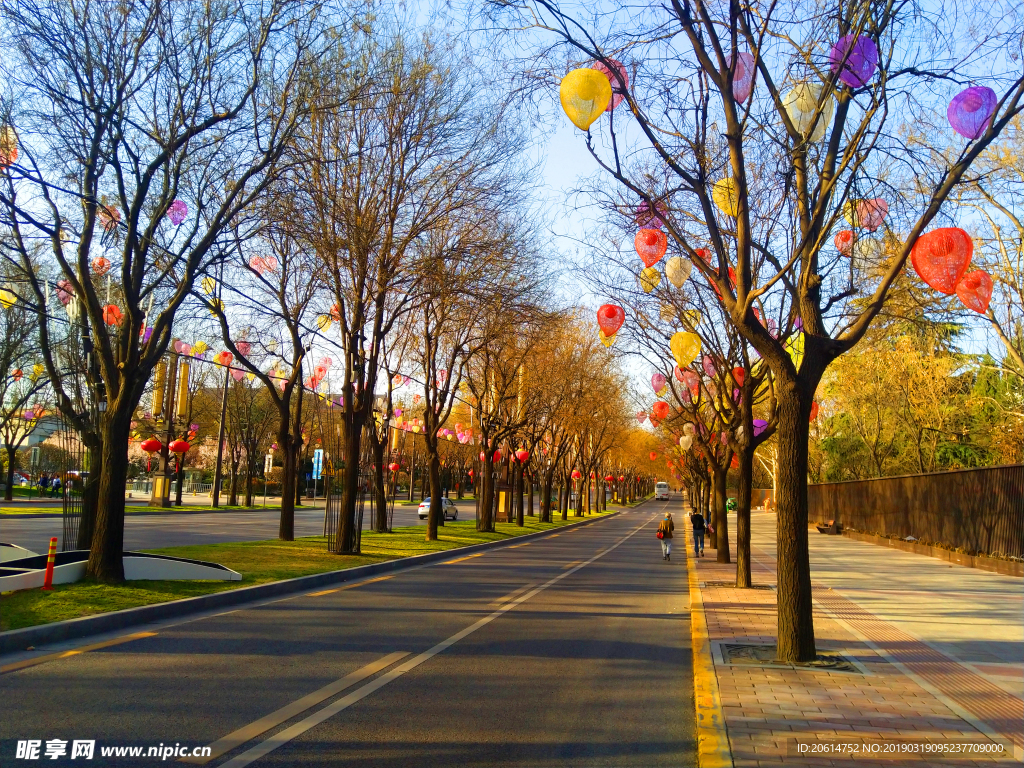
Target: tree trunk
435,516
485,521
746,459
286,525
378,448
9,492
90,496
345,542
563,500
518,479
721,516
105,555
545,497
233,497
529,494
795,611
248,479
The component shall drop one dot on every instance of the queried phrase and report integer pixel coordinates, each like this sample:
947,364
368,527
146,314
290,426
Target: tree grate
765,655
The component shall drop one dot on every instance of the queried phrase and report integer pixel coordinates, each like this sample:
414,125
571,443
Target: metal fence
976,510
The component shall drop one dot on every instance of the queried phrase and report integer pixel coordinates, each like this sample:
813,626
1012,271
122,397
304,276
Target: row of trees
333,201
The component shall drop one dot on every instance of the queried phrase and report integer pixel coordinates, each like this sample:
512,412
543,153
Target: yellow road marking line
349,586
570,565
713,750
463,559
74,652
287,712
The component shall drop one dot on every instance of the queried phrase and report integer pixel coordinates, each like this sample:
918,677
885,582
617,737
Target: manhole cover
733,584
764,655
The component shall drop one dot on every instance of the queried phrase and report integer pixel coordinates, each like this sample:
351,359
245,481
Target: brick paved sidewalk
901,689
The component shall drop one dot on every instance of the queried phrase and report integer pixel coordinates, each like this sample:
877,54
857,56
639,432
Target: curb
44,634
713,749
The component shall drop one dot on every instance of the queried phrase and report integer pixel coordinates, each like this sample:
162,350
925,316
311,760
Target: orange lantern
112,315
660,410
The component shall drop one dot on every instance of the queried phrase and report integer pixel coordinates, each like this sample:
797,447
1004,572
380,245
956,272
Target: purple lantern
743,76
177,212
709,366
971,110
650,217
861,62
760,425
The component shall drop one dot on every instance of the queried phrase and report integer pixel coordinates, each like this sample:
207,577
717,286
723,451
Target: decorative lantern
660,410
151,446
861,59
523,456
726,196
176,212
975,291
393,466
844,241
801,104
941,257
618,79
685,347
650,278
650,245
100,266
743,76
585,94
654,455
610,318
112,315
970,112
677,270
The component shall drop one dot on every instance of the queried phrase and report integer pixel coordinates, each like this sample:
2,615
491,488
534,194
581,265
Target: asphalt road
177,529
571,650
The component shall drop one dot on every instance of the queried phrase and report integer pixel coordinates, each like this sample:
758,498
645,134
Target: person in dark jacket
665,528
697,520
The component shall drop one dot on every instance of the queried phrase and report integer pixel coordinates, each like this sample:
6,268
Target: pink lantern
970,112
658,382
650,217
65,291
871,213
641,416
237,374
177,212
861,56
243,348
617,77
743,76
708,364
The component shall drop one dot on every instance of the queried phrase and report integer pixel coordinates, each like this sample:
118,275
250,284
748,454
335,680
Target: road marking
274,719
74,652
510,595
463,559
313,720
349,586
570,565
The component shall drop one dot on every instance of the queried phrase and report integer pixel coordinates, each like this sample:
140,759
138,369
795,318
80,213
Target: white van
661,491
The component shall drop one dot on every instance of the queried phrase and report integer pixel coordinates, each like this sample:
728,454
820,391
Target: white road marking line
282,738
287,712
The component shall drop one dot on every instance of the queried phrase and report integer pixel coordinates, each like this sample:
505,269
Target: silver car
448,510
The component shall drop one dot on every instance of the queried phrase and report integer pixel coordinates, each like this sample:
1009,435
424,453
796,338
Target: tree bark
746,460
485,521
289,477
345,542
105,556
529,494
795,613
721,517
518,479
90,497
435,516
11,460
378,448
545,497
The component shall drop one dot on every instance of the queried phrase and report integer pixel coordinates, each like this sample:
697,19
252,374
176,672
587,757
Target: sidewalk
934,654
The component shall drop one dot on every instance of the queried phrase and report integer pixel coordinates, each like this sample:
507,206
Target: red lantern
18,374
941,257
975,291
471,473
739,375
101,266
814,410
654,455
179,447
844,242
660,410
151,446
576,475
497,457
393,466
650,245
112,315
735,464
622,478
223,358
523,456
609,478
482,457
610,318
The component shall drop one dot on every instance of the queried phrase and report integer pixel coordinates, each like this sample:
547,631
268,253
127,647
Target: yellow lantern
801,103
726,196
323,322
650,278
606,340
199,348
7,298
795,348
685,347
585,94
38,370
209,285
691,318
216,306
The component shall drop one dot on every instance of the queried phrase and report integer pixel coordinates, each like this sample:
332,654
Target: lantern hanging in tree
844,241
677,270
176,212
658,382
685,347
17,374
7,298
618,79
861,59
654,455
641,416
8,146
209,285
739,375
523,455
650,278
610,318
975,291
650,216
585,94
660,410
801,104
970,112
112,315
941,257
577,475
814,410
393,466
605,339
223,358
726,195
100,266
650,245
743,76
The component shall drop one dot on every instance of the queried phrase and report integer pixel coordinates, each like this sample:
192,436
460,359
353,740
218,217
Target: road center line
282,738
74,652
287,712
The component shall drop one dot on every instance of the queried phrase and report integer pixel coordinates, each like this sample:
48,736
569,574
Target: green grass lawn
259,562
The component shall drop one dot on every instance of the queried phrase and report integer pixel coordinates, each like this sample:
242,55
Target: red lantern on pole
393,466
179,448
151,446
609,478
622,478
576,475
523,456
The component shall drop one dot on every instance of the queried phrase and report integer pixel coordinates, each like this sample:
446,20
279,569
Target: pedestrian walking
55,487
697,520
43,486
665,528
